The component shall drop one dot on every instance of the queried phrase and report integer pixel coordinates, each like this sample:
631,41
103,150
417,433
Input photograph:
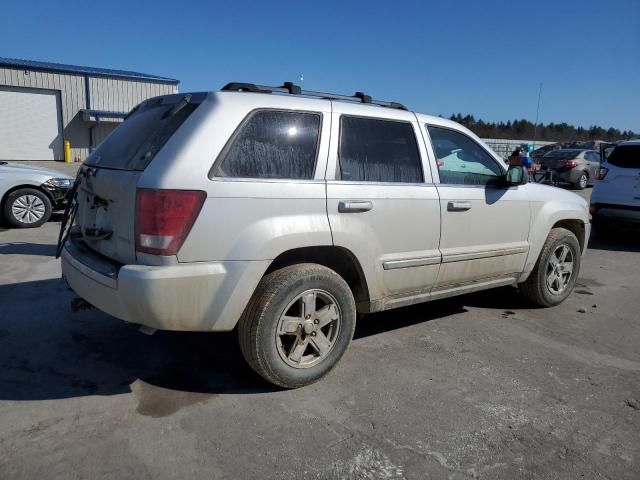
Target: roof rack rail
292,89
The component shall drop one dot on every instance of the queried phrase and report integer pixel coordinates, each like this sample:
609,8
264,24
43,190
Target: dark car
578,167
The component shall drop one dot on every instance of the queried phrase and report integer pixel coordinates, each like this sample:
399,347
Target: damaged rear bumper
200,296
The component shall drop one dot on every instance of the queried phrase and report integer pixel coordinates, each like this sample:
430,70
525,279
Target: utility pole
535,127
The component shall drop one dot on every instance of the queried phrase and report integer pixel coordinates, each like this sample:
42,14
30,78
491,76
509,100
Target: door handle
458,206
354,206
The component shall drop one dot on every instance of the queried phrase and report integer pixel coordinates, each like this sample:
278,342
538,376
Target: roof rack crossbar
292,89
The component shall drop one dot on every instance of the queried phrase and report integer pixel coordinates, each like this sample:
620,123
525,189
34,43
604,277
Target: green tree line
551,132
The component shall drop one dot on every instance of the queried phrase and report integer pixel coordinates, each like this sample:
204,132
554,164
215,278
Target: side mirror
517,175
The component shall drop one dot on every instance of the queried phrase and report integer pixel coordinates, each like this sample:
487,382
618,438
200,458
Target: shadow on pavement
24,248
617,239
47,352
377,323
503,298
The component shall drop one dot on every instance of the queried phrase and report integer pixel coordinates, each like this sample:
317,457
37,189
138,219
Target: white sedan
28,194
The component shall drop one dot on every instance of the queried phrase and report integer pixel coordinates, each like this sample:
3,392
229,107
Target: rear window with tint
272,144
625,156
134,144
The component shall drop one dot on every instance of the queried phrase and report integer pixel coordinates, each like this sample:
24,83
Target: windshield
625,156
134,144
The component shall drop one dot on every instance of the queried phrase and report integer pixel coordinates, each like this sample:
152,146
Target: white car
616,193
283,213
29,194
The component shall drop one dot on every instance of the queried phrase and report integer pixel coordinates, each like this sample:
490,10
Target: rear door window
625,156
135,143
373,150
272,144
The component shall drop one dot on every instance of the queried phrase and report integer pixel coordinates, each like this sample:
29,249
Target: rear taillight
164,218
571,164
602,173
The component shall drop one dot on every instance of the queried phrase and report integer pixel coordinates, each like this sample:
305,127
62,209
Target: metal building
44,104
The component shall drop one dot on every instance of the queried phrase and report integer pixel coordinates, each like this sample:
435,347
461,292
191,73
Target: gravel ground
480,386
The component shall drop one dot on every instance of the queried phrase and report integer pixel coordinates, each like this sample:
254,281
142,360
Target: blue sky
440,57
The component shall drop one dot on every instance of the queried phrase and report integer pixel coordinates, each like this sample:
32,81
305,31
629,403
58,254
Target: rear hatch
623,175
109,177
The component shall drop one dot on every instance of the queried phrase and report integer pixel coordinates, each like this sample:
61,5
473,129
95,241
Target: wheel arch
575,226
554,215
338,259
19,187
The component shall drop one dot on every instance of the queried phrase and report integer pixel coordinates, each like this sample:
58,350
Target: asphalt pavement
479,386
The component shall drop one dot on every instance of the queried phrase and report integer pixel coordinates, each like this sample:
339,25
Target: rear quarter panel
242,219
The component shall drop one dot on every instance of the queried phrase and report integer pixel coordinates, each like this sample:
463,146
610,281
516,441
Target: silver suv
285,213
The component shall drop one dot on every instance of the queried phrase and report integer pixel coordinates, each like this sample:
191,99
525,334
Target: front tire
297,325
556,271
27,208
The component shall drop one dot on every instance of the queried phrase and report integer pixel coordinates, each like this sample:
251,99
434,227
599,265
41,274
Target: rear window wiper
134,110
183,102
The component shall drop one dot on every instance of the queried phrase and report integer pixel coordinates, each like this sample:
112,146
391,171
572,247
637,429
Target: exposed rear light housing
164,218
602,173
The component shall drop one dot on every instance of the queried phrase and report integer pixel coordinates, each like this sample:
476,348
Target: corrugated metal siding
109,94
116,95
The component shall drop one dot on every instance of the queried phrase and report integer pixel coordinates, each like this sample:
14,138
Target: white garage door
30,124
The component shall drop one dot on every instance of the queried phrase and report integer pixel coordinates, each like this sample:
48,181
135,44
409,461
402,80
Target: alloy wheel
582,182
560,269
308,328
28,209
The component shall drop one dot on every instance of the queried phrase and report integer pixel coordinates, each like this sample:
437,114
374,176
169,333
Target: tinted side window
461,161
374,150
625,156
272,144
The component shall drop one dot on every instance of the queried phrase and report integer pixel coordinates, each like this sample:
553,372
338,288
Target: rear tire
298,324
27,208
582,181
549,283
